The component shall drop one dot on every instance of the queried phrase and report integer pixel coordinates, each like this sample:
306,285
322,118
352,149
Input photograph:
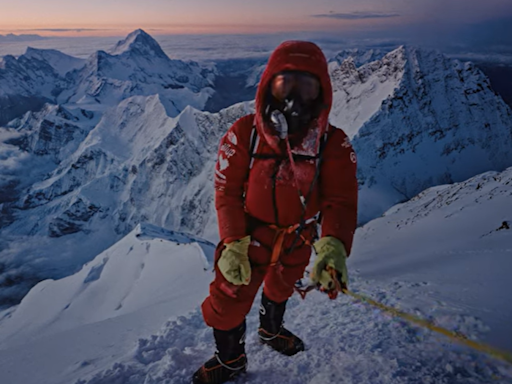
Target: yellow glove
330,253
234,262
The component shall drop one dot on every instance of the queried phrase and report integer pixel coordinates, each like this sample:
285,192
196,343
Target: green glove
330,253
234,262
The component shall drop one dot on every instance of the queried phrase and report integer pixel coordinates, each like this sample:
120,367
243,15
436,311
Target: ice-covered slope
138,66
458,238
98,314
440,256
418,119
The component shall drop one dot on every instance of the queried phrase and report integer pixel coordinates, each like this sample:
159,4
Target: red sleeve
338,189
231,173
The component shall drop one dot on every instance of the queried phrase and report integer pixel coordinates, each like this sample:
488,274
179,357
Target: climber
279,171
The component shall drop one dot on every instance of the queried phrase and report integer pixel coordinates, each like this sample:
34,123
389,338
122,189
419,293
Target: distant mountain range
135,66
10,37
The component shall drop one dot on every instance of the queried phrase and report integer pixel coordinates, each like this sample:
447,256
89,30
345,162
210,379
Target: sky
117,17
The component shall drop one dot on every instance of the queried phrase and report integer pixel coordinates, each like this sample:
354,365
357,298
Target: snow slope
456,237
97,315
441,256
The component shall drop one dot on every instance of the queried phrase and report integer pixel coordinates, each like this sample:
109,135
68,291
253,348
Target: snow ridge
418,119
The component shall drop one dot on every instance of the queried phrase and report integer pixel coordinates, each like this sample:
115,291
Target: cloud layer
356,15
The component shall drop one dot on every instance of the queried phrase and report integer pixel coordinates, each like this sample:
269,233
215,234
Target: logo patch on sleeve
232,137
223,163
346,143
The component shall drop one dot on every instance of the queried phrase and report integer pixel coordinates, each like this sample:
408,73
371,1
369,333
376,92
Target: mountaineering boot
272,332
228,362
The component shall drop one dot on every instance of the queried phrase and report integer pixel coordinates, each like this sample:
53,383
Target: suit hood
293,56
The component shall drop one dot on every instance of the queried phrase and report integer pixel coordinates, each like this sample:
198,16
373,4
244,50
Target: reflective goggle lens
306,84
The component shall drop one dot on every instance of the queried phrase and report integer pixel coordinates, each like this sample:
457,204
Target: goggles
306,84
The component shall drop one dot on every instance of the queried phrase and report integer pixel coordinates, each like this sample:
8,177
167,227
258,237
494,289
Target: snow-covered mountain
136,165
138,66
35,145
418,119
131,314
134,66
457,237
127,278
359,56
60,62
26,83
79,175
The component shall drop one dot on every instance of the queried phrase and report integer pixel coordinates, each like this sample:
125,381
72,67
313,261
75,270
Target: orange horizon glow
104,18
206,28
60,30
113,18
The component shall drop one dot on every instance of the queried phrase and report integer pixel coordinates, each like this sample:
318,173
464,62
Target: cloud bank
356,15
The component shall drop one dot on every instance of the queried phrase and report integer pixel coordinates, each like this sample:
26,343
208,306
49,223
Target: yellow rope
456,336
502,355
459,337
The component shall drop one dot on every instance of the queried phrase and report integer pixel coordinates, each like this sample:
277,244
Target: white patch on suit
223,163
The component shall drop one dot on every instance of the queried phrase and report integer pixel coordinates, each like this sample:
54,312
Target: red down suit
258,194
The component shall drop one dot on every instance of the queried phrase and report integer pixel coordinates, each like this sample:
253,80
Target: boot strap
227,366
272,337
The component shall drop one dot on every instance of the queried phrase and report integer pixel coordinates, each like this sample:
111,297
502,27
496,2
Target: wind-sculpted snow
417,120
346,342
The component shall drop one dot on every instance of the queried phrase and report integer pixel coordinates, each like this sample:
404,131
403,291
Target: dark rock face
73,219
12,106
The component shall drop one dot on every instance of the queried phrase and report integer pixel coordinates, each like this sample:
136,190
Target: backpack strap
323,142
254,143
